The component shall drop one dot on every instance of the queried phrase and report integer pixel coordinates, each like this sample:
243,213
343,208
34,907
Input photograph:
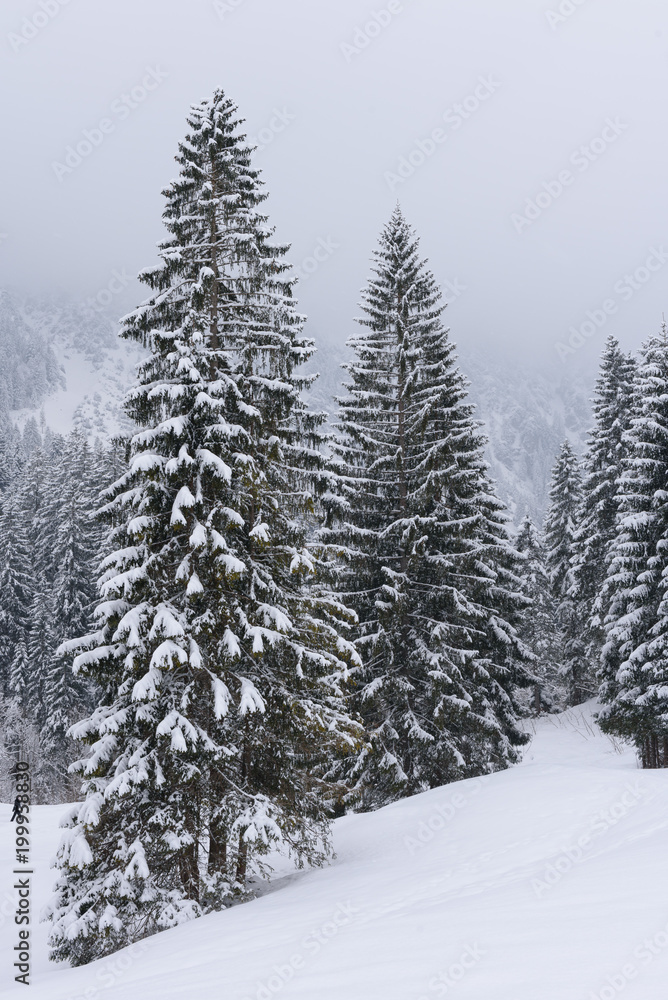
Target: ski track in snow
467,891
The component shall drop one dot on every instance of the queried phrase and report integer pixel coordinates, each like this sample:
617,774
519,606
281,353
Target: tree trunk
217,851
189,873
213,317
401,433
242,860
242,856
536,699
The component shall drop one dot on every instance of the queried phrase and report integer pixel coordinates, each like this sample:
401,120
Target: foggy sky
513,94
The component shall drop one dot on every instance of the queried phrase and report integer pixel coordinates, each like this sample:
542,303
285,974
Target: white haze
355,115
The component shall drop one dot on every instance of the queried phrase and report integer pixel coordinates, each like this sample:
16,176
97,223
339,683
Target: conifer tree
31,440
560,529
20,593
50,544
19,675
427,563
15,596
38,497
75,555
634,673
539,627
561,519
220,675
9,466
39,649
593,536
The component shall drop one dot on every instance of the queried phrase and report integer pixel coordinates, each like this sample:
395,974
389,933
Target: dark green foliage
634,673
422,548
220,674
560,530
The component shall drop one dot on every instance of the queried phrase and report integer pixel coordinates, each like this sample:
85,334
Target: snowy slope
477,890
527,414
88,369
93,391
96,366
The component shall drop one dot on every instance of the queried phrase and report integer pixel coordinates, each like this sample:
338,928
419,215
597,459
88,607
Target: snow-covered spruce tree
19,733
220,674
539,621
75,554
597,517
560,527
423,553
561,518
41,549
9,448
41,640
16,593
634,672
38,502
22,616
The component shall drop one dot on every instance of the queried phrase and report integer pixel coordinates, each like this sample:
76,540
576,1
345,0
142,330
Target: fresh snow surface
92,394
477,890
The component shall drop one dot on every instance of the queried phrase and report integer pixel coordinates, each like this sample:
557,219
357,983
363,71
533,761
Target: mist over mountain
29,370
526,413
64,363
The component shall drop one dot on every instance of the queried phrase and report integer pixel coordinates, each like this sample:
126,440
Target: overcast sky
465,110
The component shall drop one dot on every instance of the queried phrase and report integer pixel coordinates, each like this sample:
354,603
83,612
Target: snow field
544,882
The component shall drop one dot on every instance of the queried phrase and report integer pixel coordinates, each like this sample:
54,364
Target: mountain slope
28,366
477,889
527,413
64,362
96,369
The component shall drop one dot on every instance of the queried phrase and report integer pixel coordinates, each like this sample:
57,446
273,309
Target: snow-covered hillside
83,370
96,369
527,414
545,882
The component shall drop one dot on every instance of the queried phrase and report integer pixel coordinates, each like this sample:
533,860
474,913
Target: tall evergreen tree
38,500
539,623
561,519
634,671
41,638
427,562
9,446
15,595
220,674
597,518
75,553
50,544
560,529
